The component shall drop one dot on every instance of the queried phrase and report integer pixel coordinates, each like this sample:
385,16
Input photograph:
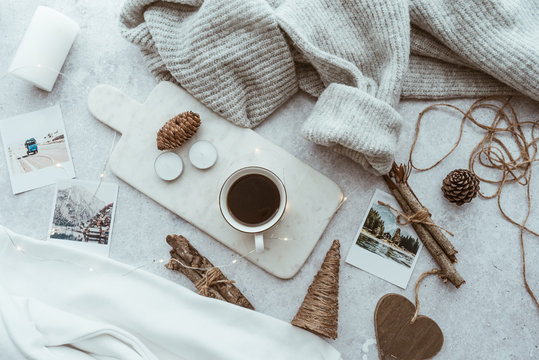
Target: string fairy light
92,269
233,262
102,176
342,201
77,83
19,248
85,89
39,66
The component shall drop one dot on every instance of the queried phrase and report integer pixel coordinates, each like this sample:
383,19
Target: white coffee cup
251,198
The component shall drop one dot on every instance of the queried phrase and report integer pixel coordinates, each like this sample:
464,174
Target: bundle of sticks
208,279
439,246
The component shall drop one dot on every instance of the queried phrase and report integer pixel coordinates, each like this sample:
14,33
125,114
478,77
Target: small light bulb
344,199
38,65
161,260
234,261
58,165
257,150
102,175
285,239
19,248
91,269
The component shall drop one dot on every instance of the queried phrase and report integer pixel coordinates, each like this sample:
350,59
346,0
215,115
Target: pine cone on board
178,130
460,186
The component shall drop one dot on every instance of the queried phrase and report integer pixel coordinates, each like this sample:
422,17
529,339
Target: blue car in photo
31,146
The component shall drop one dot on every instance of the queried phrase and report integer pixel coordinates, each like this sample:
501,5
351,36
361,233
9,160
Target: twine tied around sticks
211,277
492,152
419,217
424,275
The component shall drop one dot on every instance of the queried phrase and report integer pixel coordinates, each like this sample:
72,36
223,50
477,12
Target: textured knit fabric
244,58
361,72
497,37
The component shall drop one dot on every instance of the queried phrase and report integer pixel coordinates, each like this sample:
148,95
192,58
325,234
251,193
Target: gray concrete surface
490,317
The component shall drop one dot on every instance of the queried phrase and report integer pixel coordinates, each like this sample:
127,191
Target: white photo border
44,176
377,265
99,249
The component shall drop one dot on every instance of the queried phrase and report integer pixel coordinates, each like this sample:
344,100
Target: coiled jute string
492,152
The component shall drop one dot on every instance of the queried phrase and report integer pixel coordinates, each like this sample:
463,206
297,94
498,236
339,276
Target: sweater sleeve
360,51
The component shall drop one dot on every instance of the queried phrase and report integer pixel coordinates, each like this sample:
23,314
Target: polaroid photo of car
382,246
36,149
83,215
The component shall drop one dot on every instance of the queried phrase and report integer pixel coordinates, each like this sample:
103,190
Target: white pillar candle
203,154
168,166
44,48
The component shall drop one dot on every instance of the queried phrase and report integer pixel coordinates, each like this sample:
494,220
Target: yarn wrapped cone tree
319,312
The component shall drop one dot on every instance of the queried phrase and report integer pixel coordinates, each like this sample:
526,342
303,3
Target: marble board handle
112,107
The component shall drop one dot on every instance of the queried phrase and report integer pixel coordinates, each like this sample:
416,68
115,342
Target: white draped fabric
63,304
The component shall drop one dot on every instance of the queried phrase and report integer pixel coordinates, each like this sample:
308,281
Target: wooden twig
193,275
187,257
448,270
401,181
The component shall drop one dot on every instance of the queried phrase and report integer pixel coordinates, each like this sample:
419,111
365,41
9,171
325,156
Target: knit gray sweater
244,58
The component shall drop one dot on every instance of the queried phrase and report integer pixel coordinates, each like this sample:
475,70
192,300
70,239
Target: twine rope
492,152
419,217
319,312
424,275
211,277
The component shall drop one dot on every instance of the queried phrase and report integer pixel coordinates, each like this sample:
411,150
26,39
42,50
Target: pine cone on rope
319,312
178,130
460,186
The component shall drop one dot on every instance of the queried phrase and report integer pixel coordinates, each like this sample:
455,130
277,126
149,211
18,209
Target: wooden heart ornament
397,337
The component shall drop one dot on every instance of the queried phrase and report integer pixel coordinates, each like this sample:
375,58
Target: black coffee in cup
253,199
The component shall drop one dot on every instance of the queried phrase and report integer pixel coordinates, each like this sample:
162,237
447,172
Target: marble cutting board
312,197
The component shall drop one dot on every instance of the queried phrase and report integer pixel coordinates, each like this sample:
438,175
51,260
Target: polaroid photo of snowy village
83,215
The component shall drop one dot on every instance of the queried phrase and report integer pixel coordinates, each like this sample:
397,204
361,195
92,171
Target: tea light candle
203,154
44,48
168,166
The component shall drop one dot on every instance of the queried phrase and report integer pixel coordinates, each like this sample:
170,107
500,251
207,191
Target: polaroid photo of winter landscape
36,149
382,246
83,215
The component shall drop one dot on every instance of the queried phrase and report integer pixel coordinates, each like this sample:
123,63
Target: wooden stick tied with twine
493,153
208,279
400,174
444,262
